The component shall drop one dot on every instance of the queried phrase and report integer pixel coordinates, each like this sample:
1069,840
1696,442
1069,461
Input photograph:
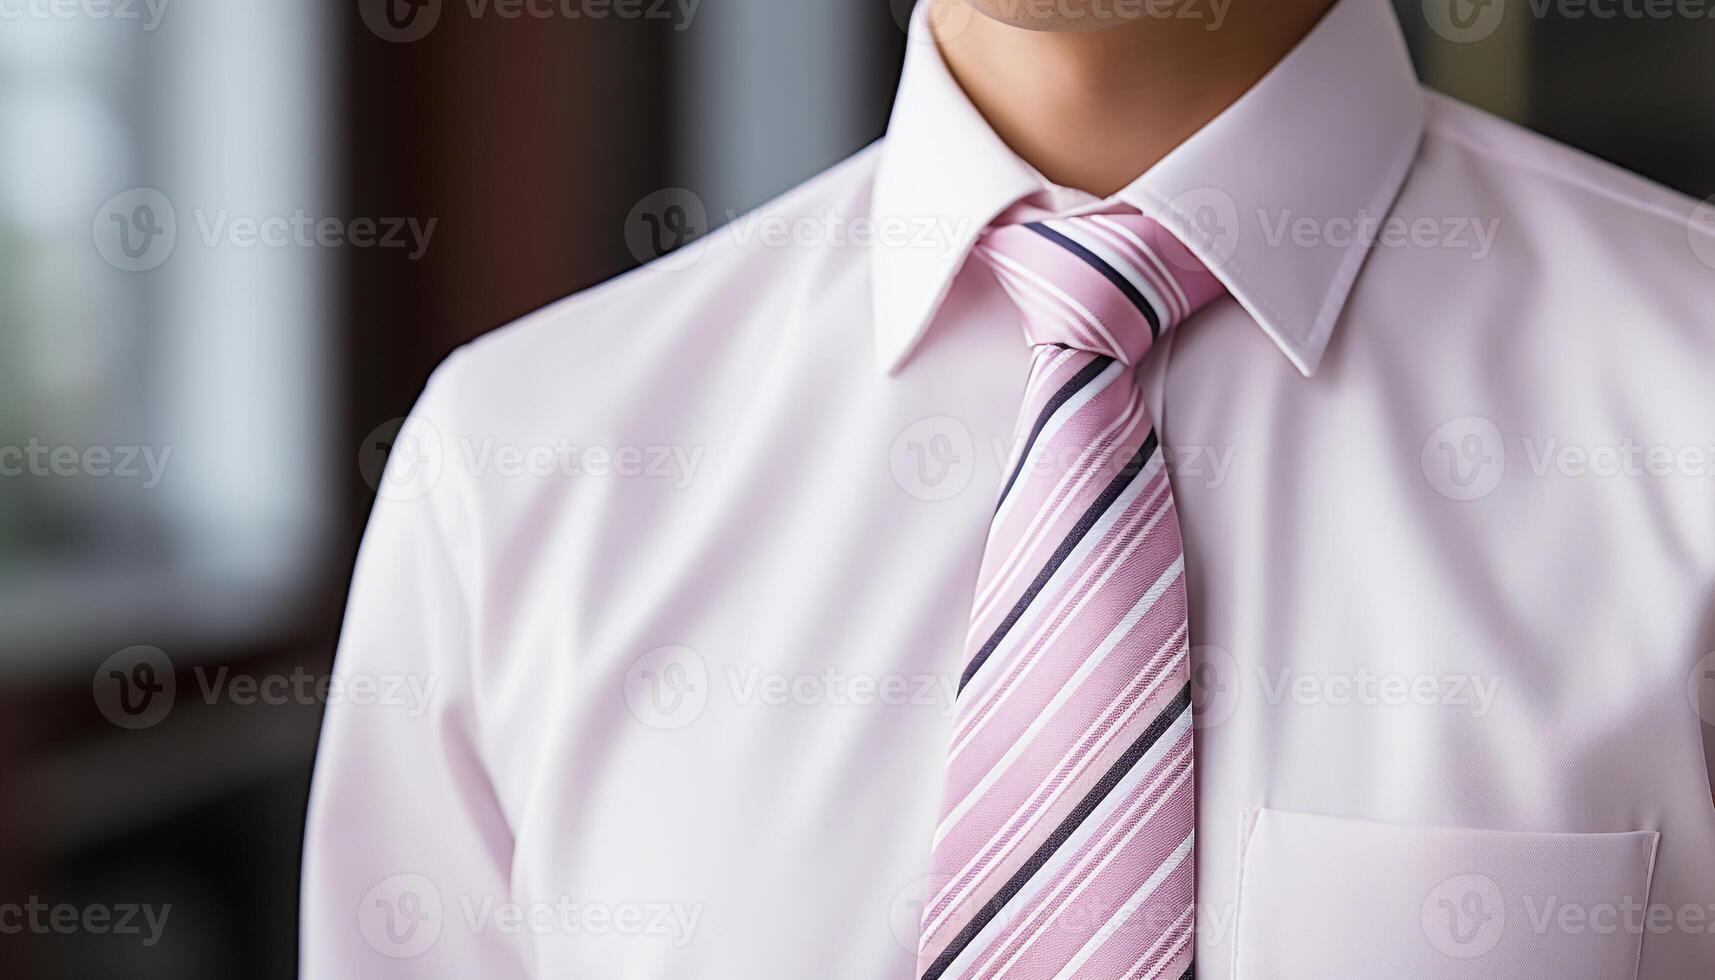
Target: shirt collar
1327,135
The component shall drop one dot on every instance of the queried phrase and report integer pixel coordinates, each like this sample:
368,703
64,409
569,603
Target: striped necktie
1064,845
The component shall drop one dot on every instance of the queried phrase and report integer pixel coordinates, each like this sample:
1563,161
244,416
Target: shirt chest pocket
1324,898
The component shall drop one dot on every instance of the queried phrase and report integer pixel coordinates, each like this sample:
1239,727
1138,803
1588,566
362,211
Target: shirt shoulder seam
1454,133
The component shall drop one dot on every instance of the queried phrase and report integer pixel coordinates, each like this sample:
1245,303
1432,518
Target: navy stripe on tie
1110,493
1062,833
1086,375
1108,272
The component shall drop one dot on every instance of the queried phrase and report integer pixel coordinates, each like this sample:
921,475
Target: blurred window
162,398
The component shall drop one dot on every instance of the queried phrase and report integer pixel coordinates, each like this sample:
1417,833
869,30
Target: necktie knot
1110,284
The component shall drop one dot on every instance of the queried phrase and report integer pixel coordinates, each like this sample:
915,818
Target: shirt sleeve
407,847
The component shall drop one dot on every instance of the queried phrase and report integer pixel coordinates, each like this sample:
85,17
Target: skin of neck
1092,107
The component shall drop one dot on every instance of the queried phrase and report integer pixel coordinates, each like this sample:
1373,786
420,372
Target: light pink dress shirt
685,563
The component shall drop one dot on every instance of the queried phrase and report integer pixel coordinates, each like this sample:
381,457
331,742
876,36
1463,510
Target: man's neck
1094,109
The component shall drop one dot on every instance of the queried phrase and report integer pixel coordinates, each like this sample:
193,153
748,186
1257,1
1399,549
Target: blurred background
236,236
